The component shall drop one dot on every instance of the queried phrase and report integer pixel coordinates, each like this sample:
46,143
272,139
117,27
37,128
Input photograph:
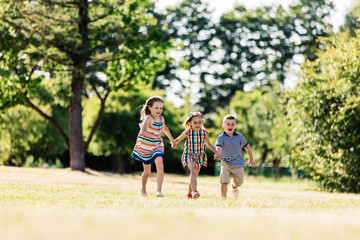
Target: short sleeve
243,142
219,141
205,132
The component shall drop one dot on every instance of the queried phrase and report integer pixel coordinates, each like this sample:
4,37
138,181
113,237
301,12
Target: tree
92,47
261,118
25,135
258,47
190,26
324,110
352,21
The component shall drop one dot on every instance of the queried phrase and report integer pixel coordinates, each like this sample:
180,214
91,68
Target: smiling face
229,126
196,123
156,109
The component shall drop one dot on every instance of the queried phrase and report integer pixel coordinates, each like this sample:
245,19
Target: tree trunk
276,164
76,137
77,152
122,163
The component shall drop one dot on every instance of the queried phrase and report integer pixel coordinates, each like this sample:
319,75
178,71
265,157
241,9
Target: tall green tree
259,46
93,47
191,27
325,111
352,18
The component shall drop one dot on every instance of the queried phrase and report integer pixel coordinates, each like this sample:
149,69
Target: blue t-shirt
231,148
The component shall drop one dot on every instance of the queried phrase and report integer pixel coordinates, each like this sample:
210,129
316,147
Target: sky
222,6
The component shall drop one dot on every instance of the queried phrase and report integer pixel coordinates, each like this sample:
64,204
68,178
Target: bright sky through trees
222,6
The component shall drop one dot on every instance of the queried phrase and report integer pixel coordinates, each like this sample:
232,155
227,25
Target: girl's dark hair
149,103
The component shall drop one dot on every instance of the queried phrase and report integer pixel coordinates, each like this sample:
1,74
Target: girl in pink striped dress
149,147
194,151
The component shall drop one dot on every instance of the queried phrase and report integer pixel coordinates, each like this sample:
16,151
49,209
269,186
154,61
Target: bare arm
143,130
169,135
211,147
218,149
181,137
249,152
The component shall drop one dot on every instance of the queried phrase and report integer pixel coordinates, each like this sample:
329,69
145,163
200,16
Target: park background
75,74
73,77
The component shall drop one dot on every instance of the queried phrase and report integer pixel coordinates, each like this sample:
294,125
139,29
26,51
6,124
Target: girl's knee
146,174
159,163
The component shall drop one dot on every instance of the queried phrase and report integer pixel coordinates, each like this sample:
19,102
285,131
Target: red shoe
195,194
188,196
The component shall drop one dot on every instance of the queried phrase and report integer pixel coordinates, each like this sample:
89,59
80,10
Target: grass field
61,204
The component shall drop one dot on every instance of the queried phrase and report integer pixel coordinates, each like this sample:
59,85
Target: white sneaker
235,190
223,198
159,194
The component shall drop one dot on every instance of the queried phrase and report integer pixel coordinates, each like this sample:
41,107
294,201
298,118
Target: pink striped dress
147,149
194,149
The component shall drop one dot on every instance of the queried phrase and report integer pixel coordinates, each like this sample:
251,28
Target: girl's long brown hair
149,103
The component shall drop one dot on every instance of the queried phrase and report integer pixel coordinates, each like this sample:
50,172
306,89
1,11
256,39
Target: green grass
61,204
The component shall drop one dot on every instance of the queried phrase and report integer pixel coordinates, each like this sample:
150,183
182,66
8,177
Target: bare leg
144,178
159,172
224,188
194,172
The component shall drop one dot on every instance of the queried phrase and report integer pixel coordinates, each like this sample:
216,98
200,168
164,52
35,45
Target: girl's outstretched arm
169,135
181,137
211,147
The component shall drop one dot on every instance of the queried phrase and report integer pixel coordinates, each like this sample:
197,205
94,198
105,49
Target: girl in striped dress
194,151
149,147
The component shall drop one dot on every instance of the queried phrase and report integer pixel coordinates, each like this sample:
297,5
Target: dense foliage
325,112
85,48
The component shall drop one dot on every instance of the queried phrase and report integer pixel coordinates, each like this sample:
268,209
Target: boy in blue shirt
229,145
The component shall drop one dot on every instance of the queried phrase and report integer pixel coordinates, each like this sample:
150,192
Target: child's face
196,123
156,109
229,126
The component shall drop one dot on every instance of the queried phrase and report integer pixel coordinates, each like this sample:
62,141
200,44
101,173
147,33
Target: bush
325,111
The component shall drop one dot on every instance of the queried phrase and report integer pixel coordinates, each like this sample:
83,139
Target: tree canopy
81,47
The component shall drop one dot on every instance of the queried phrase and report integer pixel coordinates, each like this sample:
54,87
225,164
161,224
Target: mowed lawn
61,204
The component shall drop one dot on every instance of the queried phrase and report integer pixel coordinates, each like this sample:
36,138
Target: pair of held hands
173,143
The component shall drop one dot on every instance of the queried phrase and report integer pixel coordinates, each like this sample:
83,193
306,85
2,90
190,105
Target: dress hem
152,160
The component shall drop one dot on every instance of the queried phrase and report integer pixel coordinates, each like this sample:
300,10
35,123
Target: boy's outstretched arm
249,152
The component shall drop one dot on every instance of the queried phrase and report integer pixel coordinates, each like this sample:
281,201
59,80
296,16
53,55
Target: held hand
217,156
174,145
252,163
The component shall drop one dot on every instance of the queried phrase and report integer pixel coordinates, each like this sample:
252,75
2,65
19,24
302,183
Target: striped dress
194,149
147,149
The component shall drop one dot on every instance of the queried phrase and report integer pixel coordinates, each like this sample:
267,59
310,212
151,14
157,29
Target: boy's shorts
228,170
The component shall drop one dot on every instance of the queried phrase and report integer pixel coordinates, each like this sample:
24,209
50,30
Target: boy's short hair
230,117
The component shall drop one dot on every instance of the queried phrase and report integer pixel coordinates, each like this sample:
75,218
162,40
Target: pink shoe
195,194
188,196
